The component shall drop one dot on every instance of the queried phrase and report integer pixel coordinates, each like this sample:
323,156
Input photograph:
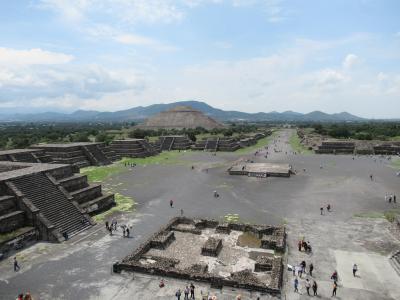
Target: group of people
126,231
188,291
303,245
328,209
390,198
27,296
129,164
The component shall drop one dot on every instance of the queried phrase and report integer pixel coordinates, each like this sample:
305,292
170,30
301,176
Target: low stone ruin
205,250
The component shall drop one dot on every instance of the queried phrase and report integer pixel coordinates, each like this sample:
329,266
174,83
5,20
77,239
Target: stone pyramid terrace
79,154
47,200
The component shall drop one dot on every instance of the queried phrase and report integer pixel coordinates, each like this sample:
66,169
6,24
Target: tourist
20,297
123,230
386,197
171,203
192,287
394,198
334,276
28,296
296,285
322,210
315,288
181,212
300,243
161,284
299,271
127,232
178,294
390,198
334,289
355,268
186,293
16,265
311,268
328,207
107,225
371,177
308,285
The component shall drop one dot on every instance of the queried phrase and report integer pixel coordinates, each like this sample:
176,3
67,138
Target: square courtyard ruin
223,254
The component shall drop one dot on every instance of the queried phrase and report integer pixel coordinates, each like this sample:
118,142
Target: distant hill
140,113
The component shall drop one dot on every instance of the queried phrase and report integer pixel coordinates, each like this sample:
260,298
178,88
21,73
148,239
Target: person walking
16,265
186,292
296,285
355,268
308,285
334,288
171,203
192,287
311,268
178,294
315,288
394,198
322,210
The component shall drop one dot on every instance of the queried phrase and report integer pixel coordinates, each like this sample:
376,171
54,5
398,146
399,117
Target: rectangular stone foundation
188,255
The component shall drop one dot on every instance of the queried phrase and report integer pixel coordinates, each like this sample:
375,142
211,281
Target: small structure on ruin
260,169
205,250
336,147
79,154
180,117
46,201
173,142
133,148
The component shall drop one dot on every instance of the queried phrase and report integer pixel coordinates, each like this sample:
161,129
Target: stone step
98,204
87,193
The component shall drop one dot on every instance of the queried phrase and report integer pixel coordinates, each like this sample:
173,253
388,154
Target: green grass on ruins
389,215
124,204
164,158
13,234
99,174
297,146
396,163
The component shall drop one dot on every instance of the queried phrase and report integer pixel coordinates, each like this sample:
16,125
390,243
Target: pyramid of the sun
180,117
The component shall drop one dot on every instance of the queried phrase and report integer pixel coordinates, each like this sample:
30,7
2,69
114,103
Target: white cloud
10,56
350,61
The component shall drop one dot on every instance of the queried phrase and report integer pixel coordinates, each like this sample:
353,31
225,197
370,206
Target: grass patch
124,204
389,215
370,214
10,235
98,174
231,218
297,146
164,158
396,163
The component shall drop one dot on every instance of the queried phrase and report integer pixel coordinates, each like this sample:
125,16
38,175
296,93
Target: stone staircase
132,148
167,143
95,155
211,145
395,261
52,202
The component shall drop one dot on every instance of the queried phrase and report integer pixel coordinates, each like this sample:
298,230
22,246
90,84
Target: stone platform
210,256
260,170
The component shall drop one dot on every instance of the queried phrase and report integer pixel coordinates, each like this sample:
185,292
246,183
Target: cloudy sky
248,55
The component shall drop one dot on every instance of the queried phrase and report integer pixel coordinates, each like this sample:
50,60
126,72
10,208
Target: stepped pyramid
180,117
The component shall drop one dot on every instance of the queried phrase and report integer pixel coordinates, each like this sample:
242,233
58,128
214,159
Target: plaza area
356,229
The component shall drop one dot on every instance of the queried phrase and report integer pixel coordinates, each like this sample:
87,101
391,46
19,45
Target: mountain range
140,113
